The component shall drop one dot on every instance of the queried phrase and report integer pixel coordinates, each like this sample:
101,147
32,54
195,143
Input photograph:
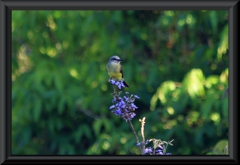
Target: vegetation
175,61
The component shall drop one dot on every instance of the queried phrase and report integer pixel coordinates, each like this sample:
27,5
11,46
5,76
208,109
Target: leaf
83,130
194,83
164,91
107,124
97,126
152,76
58,82
214,20
78,133
37,110
58,123
86,129
207,104
220,147
61,104
51,125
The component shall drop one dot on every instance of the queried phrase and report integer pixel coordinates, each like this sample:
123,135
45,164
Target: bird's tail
125,84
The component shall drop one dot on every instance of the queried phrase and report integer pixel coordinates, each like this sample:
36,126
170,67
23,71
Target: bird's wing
121,70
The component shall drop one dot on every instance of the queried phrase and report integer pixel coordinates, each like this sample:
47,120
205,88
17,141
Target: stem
143,137
165,149
115,92
129,122
135,134
114,89
142,129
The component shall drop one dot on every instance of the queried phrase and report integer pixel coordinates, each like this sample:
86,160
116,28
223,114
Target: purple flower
117,83
117,112
160,147
111,107
148,150
121,104
134,106
111,81
137,97
147,141
158,150
114,100
124,107
138,144
130,116
159,153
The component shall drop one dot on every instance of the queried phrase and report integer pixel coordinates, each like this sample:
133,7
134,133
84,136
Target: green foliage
195,107
221,148
176,61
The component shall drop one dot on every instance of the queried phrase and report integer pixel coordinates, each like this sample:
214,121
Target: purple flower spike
134,106
124,106
137,97
148,150
119,84
111,107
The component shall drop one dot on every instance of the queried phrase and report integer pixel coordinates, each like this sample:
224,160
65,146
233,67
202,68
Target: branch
89,113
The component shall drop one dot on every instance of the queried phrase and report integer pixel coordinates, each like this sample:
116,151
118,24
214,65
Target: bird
114,69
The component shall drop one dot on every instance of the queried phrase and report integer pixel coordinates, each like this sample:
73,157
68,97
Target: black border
5,76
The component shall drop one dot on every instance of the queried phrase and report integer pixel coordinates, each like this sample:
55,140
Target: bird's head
115,59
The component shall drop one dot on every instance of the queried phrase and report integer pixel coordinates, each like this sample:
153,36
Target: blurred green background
176,61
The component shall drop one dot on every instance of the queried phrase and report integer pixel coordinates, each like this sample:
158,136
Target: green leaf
214,20
87,131
206,106
107,124
97,125
37,110
58,82
221,148
194,83
61,104
78,133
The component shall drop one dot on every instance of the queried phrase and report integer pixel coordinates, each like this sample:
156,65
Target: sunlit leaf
194,83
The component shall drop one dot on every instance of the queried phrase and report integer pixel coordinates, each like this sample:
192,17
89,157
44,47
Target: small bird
114,69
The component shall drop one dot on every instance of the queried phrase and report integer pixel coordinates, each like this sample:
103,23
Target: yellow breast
114,71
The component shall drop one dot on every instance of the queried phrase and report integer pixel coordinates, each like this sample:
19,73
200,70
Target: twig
90,114
142,128
142,133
